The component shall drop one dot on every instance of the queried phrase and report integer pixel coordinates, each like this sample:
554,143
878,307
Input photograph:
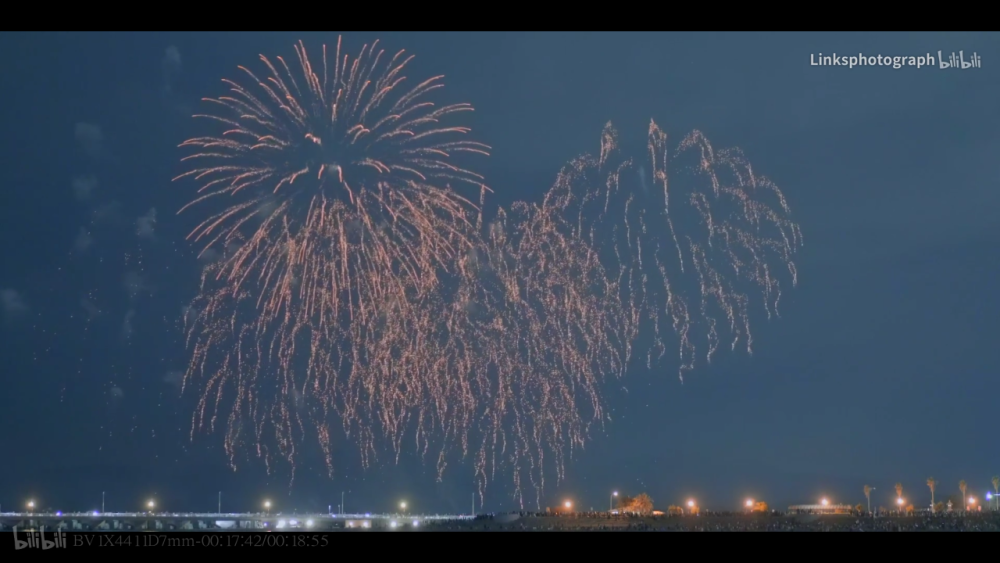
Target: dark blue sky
882,368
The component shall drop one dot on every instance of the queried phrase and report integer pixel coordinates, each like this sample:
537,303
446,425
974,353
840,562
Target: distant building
821,509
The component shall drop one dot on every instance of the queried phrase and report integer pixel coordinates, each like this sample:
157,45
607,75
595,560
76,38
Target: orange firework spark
689,244
337,225
541,320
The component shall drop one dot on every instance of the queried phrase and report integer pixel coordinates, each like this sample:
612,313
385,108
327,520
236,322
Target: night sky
881,370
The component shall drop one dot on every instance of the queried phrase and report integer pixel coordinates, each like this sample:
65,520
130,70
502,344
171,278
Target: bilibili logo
38,540
959,61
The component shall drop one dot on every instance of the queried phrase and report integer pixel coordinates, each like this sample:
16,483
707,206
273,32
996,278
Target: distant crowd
721,522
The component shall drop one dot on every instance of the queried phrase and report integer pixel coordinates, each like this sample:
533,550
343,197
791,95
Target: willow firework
541,322
695,247
335,227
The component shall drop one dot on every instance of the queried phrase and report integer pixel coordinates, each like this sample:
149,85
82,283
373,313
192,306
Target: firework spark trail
696,260
337,226
541,323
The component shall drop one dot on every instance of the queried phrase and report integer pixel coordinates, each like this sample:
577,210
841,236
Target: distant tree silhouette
642,504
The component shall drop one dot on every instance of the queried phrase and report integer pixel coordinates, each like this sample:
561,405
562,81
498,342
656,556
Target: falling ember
545,324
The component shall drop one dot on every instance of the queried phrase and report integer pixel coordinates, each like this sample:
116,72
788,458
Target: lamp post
402,506
267,507
612,505
31,505
749,505
151,505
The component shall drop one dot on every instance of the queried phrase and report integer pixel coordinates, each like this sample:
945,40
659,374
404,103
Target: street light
900,502
402,506
825,502
612,505
267,506
690,504
151,505
568,505
749,503
31,505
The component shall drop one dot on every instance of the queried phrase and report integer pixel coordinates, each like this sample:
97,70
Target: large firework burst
335,225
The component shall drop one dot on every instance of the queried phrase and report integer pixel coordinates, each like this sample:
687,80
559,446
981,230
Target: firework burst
347,282
696,237
538,326
334,229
